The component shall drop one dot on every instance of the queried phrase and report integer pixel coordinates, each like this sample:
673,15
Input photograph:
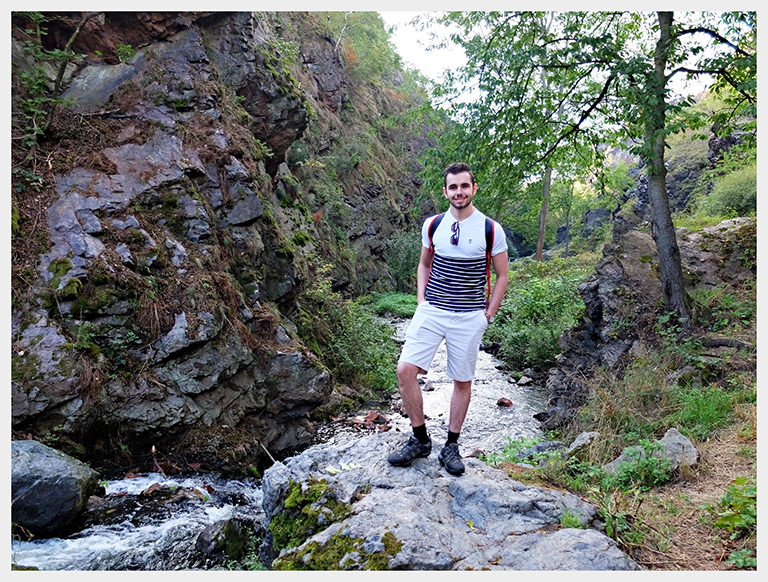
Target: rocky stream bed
339,505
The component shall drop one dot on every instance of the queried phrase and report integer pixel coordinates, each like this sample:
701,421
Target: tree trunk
568,223
545,190
547,185
671,272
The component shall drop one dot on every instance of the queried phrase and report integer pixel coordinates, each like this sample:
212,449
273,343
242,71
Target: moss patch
25,368
308,508
59,268
340,553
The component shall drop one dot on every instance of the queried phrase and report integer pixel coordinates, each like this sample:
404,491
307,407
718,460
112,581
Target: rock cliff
622,302
201,172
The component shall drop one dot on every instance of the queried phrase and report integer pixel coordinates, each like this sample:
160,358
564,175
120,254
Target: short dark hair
457,168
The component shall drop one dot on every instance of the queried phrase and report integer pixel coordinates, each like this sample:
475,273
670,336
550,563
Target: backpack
489,234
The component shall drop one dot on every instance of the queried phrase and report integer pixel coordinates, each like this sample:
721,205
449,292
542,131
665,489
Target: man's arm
422,273
501,268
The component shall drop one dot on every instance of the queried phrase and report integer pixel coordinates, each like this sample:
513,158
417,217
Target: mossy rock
58,268
307,509
340,553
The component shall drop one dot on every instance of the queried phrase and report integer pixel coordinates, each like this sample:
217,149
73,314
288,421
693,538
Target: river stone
482,520
581,444
674,446
49,489
678,449
225,536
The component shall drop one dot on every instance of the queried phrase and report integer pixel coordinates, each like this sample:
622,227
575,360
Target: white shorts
461,330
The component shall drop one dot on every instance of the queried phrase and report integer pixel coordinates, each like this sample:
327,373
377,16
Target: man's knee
407,372
462,386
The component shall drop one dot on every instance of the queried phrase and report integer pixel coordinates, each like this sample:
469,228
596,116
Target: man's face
459,190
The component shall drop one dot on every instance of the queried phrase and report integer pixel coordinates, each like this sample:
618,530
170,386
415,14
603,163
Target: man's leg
410,391
425,334
462,392
449,455
419,444
463,345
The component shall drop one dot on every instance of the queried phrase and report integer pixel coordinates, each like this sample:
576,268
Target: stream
135,535
487,425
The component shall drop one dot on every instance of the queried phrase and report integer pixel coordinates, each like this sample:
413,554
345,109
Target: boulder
343,506
594,219
581,444
673,446
49,489
225,537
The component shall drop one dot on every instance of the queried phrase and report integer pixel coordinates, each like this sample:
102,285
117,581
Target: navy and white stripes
457,284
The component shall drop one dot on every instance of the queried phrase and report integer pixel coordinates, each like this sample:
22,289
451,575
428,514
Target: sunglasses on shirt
455,235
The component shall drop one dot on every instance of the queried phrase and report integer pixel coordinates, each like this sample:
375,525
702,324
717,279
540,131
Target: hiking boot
411,451
450,458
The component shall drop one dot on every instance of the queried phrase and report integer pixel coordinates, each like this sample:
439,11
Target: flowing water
163,536
147,533
487,426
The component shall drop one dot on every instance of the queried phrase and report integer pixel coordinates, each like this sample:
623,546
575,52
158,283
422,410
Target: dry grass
679,535
677,531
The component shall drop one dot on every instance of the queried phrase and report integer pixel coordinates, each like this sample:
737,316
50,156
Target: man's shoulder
481,219
484,218
433,220
434,216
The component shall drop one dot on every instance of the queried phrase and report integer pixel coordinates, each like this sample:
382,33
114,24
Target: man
451,280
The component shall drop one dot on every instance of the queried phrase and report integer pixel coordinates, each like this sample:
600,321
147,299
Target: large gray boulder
372,515
49,489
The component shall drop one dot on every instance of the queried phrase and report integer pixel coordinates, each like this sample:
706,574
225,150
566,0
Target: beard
460,205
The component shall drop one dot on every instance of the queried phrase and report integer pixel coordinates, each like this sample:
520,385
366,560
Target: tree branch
722,72
717,36
343,29
64,63
584,116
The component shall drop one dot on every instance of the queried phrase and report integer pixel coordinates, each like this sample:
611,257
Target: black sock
420,432
453,437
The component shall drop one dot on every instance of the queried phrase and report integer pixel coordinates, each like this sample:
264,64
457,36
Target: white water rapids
163,541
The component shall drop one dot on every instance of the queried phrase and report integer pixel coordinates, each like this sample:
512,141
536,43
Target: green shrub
511,452
358,348
125,52
722,309
402,257
393,304
542,301
643,470
734,193
737,510
743,558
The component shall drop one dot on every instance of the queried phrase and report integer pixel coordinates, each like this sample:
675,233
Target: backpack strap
432,228
489,234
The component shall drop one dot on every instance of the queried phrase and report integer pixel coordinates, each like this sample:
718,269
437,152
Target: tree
670,268
38,105
531,75
656,130
547,94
